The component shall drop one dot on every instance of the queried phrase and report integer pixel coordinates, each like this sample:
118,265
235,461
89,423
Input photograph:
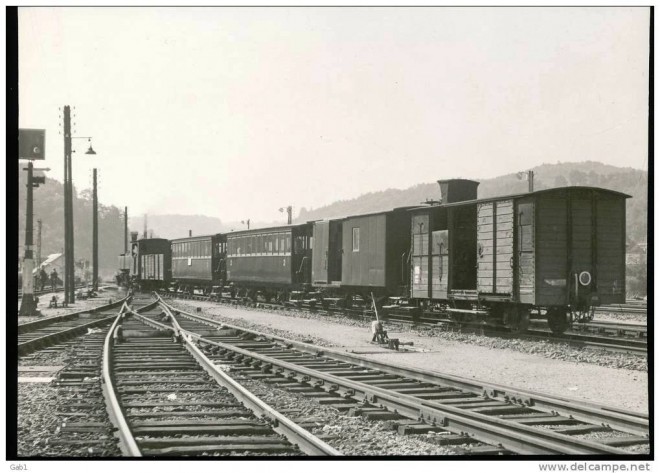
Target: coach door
321,254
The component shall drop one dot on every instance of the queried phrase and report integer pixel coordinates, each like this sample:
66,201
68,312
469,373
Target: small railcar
152,262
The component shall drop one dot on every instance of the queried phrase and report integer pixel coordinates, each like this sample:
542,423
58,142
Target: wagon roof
196,237
279,228
369,214
526,194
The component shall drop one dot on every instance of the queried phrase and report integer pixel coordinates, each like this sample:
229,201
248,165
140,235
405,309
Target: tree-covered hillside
628,180
49,207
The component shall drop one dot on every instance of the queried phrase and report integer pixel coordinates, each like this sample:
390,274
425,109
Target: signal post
31,147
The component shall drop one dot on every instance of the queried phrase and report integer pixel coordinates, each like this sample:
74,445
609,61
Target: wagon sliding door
420,258
440,264
495,247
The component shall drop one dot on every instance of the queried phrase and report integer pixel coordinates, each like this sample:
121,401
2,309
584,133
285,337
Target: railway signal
289,210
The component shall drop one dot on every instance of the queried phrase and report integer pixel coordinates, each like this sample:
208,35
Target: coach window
356,239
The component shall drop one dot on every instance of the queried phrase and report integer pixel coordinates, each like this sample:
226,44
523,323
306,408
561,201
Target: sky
236,112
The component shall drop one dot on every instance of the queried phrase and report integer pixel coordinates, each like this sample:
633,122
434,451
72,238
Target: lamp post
69,270
95,238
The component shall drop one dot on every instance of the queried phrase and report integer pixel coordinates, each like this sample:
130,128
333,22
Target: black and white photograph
291,233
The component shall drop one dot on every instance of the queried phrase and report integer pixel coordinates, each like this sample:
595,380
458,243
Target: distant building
54,261
637,254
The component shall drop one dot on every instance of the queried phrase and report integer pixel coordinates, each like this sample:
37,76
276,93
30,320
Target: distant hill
631,181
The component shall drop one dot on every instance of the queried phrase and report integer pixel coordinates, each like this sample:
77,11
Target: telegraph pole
95,236
69,271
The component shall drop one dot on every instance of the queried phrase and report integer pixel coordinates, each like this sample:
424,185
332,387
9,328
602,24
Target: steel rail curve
516,437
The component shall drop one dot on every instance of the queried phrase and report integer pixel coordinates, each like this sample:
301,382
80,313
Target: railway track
44,333
510,420
612,336
166,398
48,291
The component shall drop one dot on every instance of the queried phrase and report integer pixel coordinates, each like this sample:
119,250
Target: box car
199,260
561,250
270,257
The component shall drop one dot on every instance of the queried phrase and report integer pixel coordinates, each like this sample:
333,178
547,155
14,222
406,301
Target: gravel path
554,369
103,298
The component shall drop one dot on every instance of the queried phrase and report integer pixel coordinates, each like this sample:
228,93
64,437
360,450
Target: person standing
43,278
53,279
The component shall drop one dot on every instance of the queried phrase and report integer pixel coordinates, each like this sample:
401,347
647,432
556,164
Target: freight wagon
553,254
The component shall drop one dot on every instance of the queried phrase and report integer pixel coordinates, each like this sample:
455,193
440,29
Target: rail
127,441
513,436
307,442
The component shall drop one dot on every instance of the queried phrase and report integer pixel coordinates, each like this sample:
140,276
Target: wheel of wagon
348,301
518,319
557,320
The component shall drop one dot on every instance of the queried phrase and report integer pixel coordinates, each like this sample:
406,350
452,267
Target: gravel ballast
549,368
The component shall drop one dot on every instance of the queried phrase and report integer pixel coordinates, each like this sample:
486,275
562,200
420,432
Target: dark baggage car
375,253
199,260
277,257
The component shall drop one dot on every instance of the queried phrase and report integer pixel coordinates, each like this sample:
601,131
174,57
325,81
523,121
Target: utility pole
95,237
38,243
69,271
125,230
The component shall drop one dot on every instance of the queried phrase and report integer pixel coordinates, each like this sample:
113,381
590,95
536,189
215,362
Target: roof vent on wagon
457,190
